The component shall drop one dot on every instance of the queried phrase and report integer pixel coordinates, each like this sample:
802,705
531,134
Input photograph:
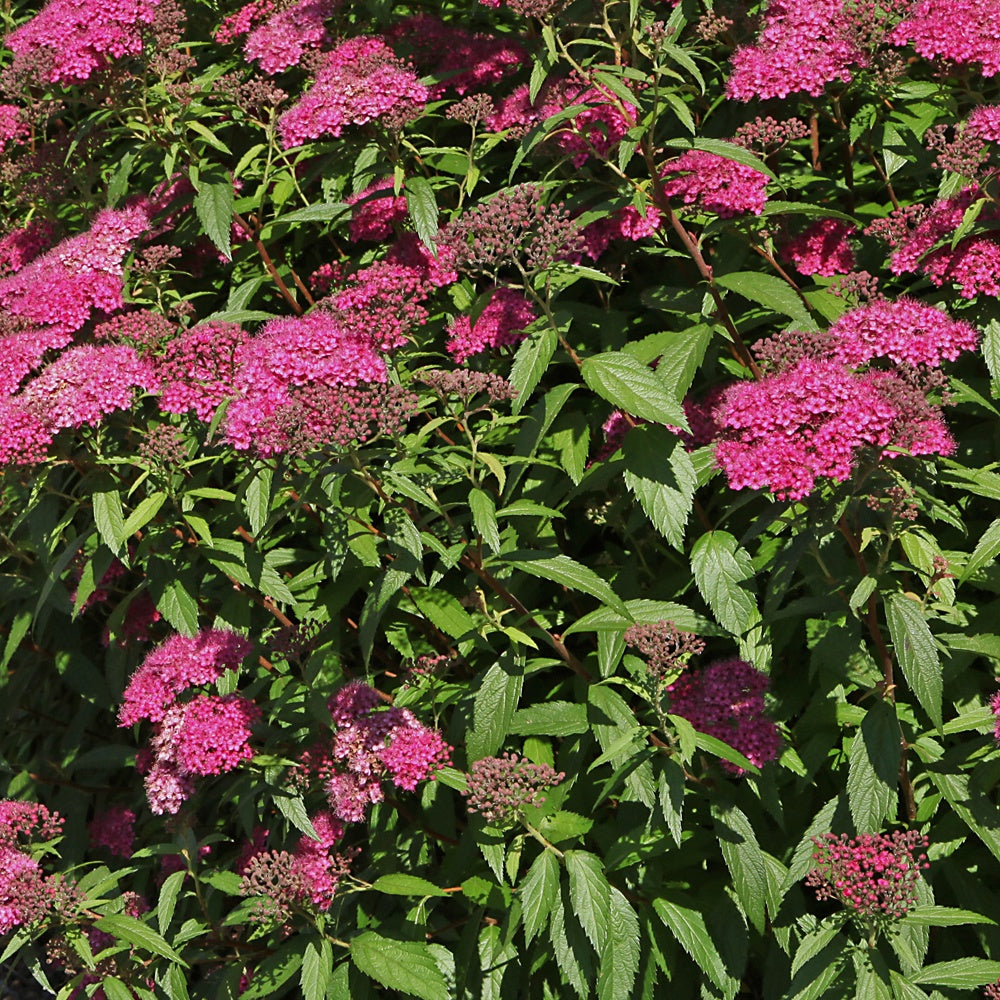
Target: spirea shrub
500,499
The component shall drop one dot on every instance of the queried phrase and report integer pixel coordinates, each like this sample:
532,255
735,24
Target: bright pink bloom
319,867
65,285
25,893
176,665
995,706
963,31
435,271
13,128
28,822
904,331
376,211
726,700
25,435
72,39
214,734
114,829
286,36
822,248
413,755
22,352
361,81
350,796
197,368
625,224
804,45
715,184
21,246
244,20
500,324
984,122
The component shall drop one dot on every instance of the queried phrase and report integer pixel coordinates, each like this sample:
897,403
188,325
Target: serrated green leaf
721,571
645,612
962,973
568,572
620,956
109,516
293,808
929,915
168,899
443,611
257,498
406,966
402,884
726,150
991,350
634,388
770,292
138,934
745,861
569,944
115,989
659,473
538,892
484,517
874,768
916,652
274,971
493,708
422,206
178,607
985,552
532,358
590,894
317,969
213,204
688,926
551,718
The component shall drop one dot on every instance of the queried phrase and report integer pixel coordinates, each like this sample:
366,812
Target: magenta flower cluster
715,184
874,876
500,324
726,700
26,893
963,31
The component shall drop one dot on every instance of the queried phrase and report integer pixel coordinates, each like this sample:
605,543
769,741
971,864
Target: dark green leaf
406,885
745,861
916,652
168,899
659,473
484,517
986,550
136,933
770,292
443,611
563,570
406,966
213,205
874,768
178,607
929,915
109,517
317,969
550,718
688,926
532,358
620,956
493,709
721,570
962,973
591,895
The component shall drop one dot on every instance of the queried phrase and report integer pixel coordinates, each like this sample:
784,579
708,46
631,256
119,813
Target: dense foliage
499,498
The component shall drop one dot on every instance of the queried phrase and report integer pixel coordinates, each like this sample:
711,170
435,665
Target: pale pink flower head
726,700
167,789
70,40
822,248
715,184
360,81
176,665
281,41
803,46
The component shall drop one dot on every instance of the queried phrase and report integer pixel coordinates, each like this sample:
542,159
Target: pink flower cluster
726,700
874,875
376,210
500,324
70,40
243,21
26,894
21,246
360,81
13,127
624,224
715,184
822,248
465,61
963,31
369,747
499,788
114,829
804,45
79,275
196,369
281,41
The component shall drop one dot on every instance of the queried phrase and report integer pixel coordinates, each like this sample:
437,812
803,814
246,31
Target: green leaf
136,933
745,861
986,550
817,963
115,989
620,956
978,813
293,808
688,926
168,899
402,884
109,517
991,350
590,894
916,652
573,954
274,971
563,570
644,612
681,353
721,569
422,206
257,498
406,966
903,989
538,892
633,387
317,969
145,511
532,358
962,973
493,709
874,768
550,718
484,517
213,205
929,915
178,607
659,473
724,149
443,611
770,292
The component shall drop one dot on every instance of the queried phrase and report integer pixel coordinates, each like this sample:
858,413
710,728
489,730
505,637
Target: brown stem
268,263
814,141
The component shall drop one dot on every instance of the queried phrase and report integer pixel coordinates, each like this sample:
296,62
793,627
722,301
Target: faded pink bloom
726,700
822,248
804,45
963,31
361,81
350,796
715,184
166,788
624,224
214,733
25,893
114,829
665,647
287,35
70,40
176,665
65,285
376,211
13,128
500,324
500,788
